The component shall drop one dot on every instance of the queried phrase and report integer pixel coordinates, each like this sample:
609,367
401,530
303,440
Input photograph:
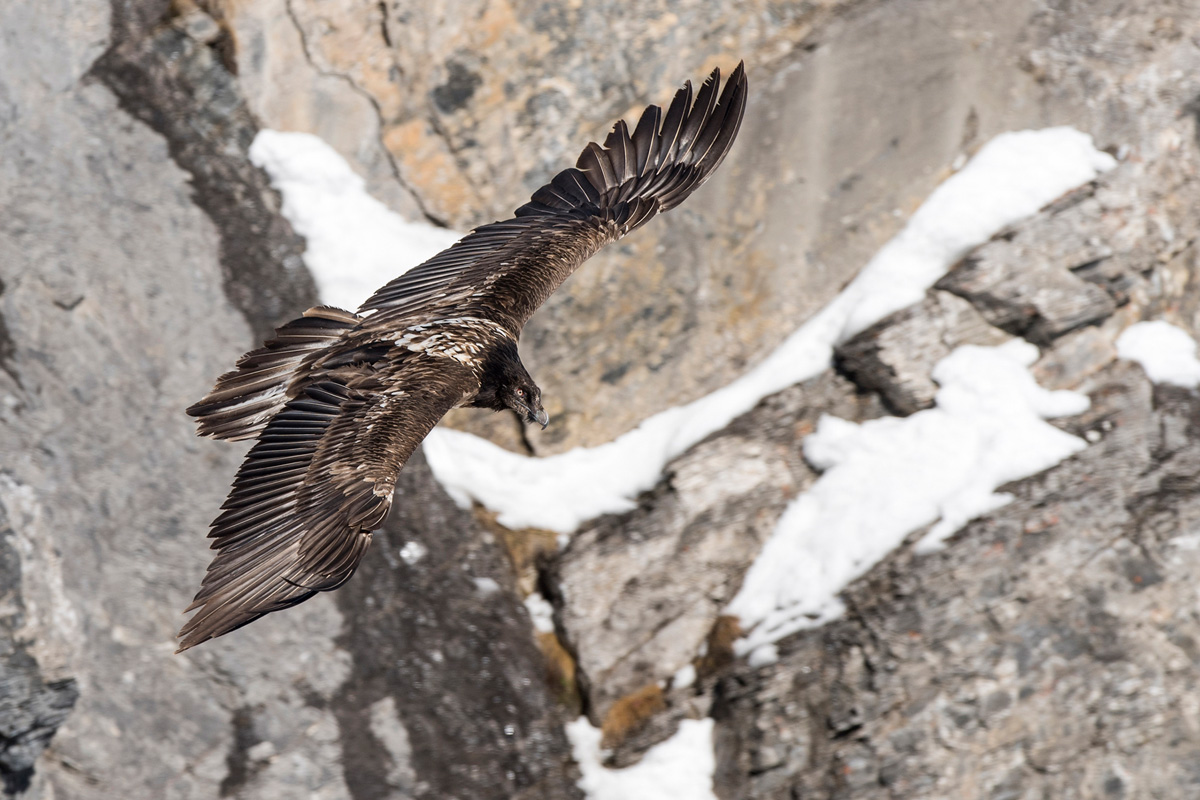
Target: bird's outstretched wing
319,479
507,269
338,409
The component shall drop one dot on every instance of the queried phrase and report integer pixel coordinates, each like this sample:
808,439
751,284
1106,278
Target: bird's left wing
505,270
314,486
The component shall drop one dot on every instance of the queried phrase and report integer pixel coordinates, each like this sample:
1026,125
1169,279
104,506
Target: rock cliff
1050,649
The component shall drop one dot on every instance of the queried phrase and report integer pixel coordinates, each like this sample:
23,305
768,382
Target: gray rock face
30,709
441,651
120,306
896,355
1044,653
1049,650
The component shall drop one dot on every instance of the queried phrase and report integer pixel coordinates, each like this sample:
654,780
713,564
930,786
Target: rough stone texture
640,592
480,101
1045,653
1039,304
1074,357
1049,651
119,308
30,709
896,356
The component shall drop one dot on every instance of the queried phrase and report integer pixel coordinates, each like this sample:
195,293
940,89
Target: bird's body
338,401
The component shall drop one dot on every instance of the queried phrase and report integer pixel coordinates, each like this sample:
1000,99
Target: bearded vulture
338,401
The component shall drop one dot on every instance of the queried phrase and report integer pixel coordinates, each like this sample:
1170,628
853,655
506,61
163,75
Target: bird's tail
244,400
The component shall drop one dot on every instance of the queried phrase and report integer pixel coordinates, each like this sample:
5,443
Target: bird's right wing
319,479
507,269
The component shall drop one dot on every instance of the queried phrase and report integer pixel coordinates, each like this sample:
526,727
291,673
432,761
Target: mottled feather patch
463,339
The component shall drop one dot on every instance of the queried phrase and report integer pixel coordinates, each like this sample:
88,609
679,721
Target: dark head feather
505,383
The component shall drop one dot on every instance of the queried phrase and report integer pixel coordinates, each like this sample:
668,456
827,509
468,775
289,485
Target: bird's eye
521,393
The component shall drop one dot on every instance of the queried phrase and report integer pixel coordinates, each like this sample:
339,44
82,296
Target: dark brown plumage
339,401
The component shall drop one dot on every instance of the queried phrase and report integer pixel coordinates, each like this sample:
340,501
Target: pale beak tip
541,418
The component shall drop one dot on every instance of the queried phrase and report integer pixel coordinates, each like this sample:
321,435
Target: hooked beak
540,417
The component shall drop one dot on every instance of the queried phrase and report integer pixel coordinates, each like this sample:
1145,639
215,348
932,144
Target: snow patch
763,655
684,677
681,768
486,586
888,477
938,466
1012,177
412,552
540,612
1189,541
1167,353
355,244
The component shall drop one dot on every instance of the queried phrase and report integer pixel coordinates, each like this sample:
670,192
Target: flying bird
338,401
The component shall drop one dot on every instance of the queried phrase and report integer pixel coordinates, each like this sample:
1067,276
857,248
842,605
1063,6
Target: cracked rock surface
1045,652
857,108
140,253
1051,649
31,709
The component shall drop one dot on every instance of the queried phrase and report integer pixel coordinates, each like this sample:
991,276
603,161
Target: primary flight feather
338,401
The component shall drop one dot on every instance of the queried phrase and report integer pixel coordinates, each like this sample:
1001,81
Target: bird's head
525,398
505,383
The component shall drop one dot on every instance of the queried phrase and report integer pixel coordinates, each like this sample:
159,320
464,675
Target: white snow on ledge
681,768
1012,177
1166,353
883,478
355,245
887,477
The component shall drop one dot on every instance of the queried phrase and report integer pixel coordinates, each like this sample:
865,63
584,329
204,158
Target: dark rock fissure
437,627
31,708
239,770
8,348
181,89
